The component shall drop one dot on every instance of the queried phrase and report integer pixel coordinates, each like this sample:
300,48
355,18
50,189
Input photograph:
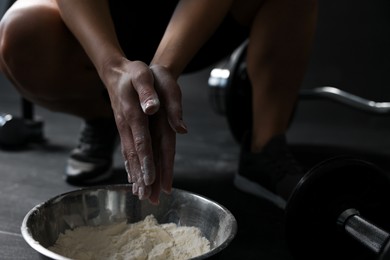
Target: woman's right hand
137,110
133,99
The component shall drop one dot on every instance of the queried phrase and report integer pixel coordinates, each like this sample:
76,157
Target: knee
24,29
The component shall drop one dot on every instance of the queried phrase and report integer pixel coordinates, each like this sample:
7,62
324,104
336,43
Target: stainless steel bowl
115,203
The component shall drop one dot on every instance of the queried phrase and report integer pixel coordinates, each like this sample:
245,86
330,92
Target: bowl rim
26,234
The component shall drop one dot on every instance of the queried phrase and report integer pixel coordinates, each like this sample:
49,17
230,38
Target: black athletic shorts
140,26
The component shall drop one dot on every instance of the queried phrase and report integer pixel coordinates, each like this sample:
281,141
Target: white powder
138,241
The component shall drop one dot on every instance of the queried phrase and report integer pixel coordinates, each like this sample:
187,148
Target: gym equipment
230,94
17,132
340,210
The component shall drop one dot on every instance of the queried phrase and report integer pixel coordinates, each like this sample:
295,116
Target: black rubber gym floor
351,54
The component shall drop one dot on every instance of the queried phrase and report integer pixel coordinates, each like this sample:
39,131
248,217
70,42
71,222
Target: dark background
351,52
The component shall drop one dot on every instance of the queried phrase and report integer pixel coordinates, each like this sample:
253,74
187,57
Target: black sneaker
91,161
271,174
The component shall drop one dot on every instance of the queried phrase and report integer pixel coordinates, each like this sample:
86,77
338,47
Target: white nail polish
148,170
150,103
141,193
135,188
129,178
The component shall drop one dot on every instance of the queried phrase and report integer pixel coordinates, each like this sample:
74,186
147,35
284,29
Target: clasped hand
146,102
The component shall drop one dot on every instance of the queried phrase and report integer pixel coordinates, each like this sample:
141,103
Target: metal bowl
115,203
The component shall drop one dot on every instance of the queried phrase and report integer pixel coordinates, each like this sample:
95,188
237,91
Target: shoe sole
257,190
87,176
89,181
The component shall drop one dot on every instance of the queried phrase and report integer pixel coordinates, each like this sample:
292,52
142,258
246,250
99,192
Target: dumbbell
17,132
340,209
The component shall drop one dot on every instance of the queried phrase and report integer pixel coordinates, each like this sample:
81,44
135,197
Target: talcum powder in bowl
104,219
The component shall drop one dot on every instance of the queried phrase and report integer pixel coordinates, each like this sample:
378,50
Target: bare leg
278,53
45,62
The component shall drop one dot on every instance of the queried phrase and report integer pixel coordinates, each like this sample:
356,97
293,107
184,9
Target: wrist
168,69
111,68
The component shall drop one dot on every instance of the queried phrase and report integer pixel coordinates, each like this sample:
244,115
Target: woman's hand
146,127
163,128
133,99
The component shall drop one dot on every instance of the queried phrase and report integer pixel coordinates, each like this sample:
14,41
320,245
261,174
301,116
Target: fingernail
167,190
148,170
141,193
128,172
182,128
135,188
150,106
127,167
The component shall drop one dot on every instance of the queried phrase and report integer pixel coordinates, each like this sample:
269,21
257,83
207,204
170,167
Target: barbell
230,94
340,209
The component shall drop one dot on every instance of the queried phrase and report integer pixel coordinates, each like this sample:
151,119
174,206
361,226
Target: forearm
192,24
90,22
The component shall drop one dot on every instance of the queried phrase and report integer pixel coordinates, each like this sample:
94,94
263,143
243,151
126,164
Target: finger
132,165
127,168
131,162
136,146
167,164
157,132
140,140
142,144
174,110
130,157
144,192
148,169
154,197
170,95
143,83
168,144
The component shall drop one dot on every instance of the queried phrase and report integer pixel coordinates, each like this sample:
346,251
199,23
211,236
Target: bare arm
148,145
90,21
129,84
192,23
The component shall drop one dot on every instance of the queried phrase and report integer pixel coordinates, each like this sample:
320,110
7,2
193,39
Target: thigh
41,57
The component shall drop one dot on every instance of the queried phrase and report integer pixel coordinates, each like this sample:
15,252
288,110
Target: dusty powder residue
138,241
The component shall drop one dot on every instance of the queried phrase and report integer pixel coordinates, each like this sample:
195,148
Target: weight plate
238,99
323,193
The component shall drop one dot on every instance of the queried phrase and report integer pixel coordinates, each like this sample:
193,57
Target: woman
118,61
